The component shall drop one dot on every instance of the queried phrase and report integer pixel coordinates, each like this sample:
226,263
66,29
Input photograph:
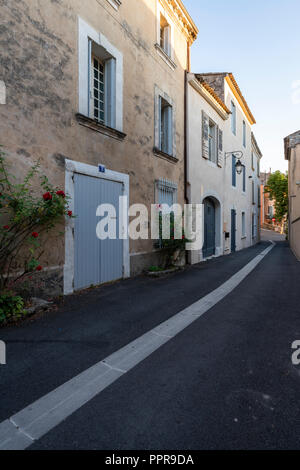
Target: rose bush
27,211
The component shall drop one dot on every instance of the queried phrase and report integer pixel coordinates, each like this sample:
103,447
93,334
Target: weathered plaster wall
39,64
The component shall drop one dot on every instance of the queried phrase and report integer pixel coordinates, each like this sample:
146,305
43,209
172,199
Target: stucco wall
39,64
207,179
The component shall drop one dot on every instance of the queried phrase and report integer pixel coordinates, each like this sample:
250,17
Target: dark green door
209,247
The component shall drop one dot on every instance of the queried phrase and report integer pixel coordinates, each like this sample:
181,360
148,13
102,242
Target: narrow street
225,382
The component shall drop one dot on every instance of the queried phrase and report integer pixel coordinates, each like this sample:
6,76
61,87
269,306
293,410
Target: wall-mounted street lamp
238,156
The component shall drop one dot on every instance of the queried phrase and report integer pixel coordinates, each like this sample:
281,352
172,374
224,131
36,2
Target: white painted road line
34,421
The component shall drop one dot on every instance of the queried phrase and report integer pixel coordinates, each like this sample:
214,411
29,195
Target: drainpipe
186,197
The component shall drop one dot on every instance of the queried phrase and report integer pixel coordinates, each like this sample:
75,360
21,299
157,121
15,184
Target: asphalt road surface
227,381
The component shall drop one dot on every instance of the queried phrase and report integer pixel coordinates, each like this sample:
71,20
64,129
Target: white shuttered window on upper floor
212,140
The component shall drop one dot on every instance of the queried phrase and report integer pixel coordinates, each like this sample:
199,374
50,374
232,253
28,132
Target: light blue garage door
96,261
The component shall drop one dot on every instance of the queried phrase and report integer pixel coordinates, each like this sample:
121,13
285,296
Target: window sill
164,155
98,127
211,163
165,57
244,238
115,3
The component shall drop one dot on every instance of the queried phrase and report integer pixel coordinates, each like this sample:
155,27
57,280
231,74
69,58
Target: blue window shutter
169,128
233,171
159,123
110,92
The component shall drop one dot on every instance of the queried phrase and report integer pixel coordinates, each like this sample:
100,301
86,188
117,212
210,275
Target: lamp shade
239,167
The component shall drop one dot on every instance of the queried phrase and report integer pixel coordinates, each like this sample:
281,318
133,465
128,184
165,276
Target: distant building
267,204
292,154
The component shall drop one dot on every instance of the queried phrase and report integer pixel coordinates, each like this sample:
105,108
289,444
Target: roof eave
209,95
240,98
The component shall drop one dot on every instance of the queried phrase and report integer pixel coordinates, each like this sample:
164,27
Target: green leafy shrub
171,245
11,308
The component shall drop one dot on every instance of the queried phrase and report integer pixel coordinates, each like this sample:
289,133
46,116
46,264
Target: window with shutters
165,35
166,127
233,118
100,78
253,193
212,140
102,92
243,225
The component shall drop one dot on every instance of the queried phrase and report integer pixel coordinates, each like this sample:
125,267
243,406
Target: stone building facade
89,83
292,154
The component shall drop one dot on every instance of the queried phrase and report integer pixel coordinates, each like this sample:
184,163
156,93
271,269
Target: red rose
70,213
6,227
39,268
61,193
47,196
34,234
183,237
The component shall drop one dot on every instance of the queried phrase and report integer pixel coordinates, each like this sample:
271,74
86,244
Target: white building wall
207,179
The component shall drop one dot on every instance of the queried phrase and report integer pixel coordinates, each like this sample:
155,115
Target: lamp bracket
238,154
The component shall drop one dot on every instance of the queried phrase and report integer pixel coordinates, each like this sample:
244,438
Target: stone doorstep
163,273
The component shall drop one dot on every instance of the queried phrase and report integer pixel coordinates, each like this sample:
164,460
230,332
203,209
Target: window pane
98,90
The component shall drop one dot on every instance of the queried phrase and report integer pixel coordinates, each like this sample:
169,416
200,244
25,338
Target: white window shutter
220,148
205,136
110,93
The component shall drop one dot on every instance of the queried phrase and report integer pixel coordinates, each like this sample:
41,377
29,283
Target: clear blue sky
259,42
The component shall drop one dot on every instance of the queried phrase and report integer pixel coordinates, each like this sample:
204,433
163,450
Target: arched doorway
209,246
